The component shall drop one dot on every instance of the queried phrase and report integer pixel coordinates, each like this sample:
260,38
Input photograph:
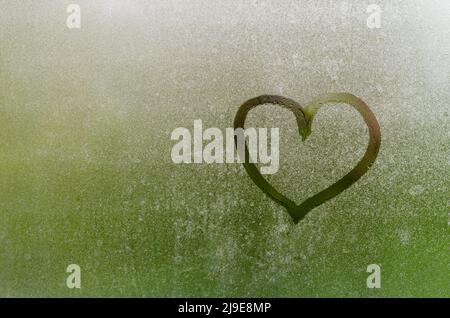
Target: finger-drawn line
304,118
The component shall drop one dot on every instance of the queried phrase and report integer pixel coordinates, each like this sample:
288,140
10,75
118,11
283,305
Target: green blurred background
86,175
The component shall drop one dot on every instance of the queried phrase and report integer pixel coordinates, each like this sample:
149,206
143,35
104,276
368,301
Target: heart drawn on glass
304,117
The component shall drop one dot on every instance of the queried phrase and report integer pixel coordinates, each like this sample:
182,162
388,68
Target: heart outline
304,118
